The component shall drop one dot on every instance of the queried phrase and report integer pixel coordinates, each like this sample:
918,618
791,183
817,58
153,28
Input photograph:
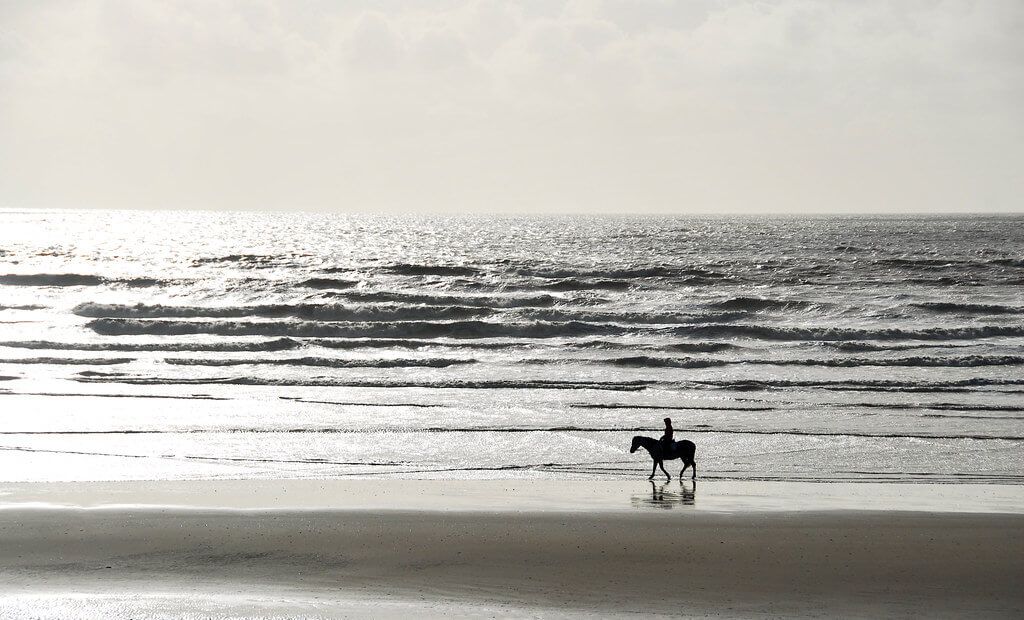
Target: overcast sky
482,106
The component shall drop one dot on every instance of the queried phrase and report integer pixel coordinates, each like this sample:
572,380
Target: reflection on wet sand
667,496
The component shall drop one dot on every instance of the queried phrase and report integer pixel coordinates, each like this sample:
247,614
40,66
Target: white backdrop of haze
487,106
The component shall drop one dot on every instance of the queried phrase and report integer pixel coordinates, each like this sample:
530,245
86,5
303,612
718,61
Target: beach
256,415
521,548
389,309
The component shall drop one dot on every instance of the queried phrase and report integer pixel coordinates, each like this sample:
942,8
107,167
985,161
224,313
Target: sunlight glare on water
203,345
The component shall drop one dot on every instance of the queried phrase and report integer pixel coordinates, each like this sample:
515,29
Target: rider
666,439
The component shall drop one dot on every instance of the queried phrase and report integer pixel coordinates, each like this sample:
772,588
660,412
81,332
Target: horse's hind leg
694,463
683,470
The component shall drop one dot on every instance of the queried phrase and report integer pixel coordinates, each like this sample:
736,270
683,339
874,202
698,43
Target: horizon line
523,213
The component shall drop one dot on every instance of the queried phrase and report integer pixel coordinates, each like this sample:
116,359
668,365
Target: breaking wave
1007,262
485,301
396,329
617,386
77,279
699,347
399,328
280,344
310,312
406,269
574,284
607,274
285,344
645,361
52,279
634,318
854,346
326,362
965,308
765,332
70,361
757,304
328,283
969,361
247,261
881,385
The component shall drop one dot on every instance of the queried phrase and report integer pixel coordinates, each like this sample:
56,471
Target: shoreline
517,496
356,548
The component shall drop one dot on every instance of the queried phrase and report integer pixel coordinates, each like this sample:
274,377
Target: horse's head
636,444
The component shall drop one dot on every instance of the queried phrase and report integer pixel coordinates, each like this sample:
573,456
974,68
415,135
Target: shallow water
206,345
513,496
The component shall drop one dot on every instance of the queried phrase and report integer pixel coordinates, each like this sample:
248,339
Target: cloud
442,50
597,105
373,44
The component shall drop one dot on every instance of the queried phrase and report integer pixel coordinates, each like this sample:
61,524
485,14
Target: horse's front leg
654,470
662,465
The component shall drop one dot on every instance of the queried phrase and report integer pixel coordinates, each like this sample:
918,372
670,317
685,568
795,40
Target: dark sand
227,562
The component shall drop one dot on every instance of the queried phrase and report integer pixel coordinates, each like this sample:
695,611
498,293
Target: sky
481,106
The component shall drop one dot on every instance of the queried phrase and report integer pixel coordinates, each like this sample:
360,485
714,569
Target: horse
679,450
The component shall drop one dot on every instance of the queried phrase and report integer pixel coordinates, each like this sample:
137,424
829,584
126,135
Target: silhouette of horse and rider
665,449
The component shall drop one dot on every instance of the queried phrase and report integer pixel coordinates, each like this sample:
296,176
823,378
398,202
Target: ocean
200,345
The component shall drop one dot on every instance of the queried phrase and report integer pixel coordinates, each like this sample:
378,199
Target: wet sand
518,495
210,554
